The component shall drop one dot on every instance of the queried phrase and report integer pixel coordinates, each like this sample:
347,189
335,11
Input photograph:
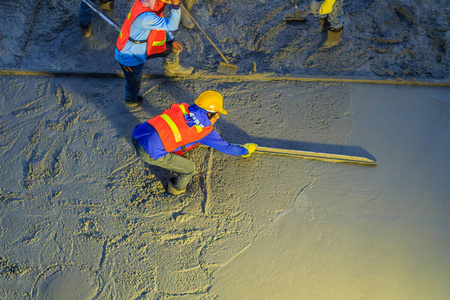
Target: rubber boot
185,20
106,5
133,104
333,39
172,65
86,31
171,189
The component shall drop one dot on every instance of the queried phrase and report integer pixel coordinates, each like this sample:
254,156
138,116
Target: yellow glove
250,147
327,7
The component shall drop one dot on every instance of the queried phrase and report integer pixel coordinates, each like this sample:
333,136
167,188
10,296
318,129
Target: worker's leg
185,20
133,77
171,161
172,65
177,163
84,17
335,26
315,9
336,16
85,14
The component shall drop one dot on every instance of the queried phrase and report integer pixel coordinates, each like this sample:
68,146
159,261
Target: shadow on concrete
235,135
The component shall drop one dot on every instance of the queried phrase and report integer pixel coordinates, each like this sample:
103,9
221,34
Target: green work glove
250,147
327,7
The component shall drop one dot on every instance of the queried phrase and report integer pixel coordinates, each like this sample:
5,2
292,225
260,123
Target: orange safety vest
156,40
173,130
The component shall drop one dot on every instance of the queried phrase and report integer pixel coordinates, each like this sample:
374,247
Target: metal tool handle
96,9
193,20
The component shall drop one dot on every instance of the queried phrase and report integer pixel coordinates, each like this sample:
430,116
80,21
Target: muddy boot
134,104
185,20
333,39
106,5
86,31
172,66
171,189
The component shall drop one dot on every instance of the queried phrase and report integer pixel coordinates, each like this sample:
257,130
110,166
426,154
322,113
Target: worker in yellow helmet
163,139
331,18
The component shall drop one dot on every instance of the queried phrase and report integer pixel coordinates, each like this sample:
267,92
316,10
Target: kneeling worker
161,140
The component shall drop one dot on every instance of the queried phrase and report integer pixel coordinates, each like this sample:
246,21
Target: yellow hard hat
211,101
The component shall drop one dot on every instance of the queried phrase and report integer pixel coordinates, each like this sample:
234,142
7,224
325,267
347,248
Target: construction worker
331,18
85,15
185,20
163,139
146,34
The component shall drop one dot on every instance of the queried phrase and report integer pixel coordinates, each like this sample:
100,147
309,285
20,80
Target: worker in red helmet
163,139
147,34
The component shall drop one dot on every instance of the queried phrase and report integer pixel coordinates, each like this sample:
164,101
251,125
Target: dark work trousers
171,161
133,76
85,13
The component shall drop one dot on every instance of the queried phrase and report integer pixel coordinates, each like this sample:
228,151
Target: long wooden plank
329,157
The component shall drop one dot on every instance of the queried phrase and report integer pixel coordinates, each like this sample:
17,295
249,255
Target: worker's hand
250,147
177,45
327,7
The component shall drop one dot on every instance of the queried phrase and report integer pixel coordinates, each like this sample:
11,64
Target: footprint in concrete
63,97
44,170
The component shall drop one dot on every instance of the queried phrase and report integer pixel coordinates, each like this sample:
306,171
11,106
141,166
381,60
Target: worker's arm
150,21
214,140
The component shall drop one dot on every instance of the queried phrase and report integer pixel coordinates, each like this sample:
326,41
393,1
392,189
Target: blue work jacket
134,54
148,137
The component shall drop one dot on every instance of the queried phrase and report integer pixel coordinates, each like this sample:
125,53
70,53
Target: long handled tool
96,9
296,18
224,67
328,157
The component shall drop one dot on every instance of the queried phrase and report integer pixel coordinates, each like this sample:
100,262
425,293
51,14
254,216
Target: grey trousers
171,161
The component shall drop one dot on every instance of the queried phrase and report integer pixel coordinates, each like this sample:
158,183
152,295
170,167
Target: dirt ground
81,217
395,39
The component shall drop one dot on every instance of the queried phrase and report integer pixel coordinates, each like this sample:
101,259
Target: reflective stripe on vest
156,40
173,130
160,43
173,126
183,109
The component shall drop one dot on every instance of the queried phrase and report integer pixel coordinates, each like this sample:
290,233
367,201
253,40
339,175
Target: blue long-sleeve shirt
148,137
134,54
